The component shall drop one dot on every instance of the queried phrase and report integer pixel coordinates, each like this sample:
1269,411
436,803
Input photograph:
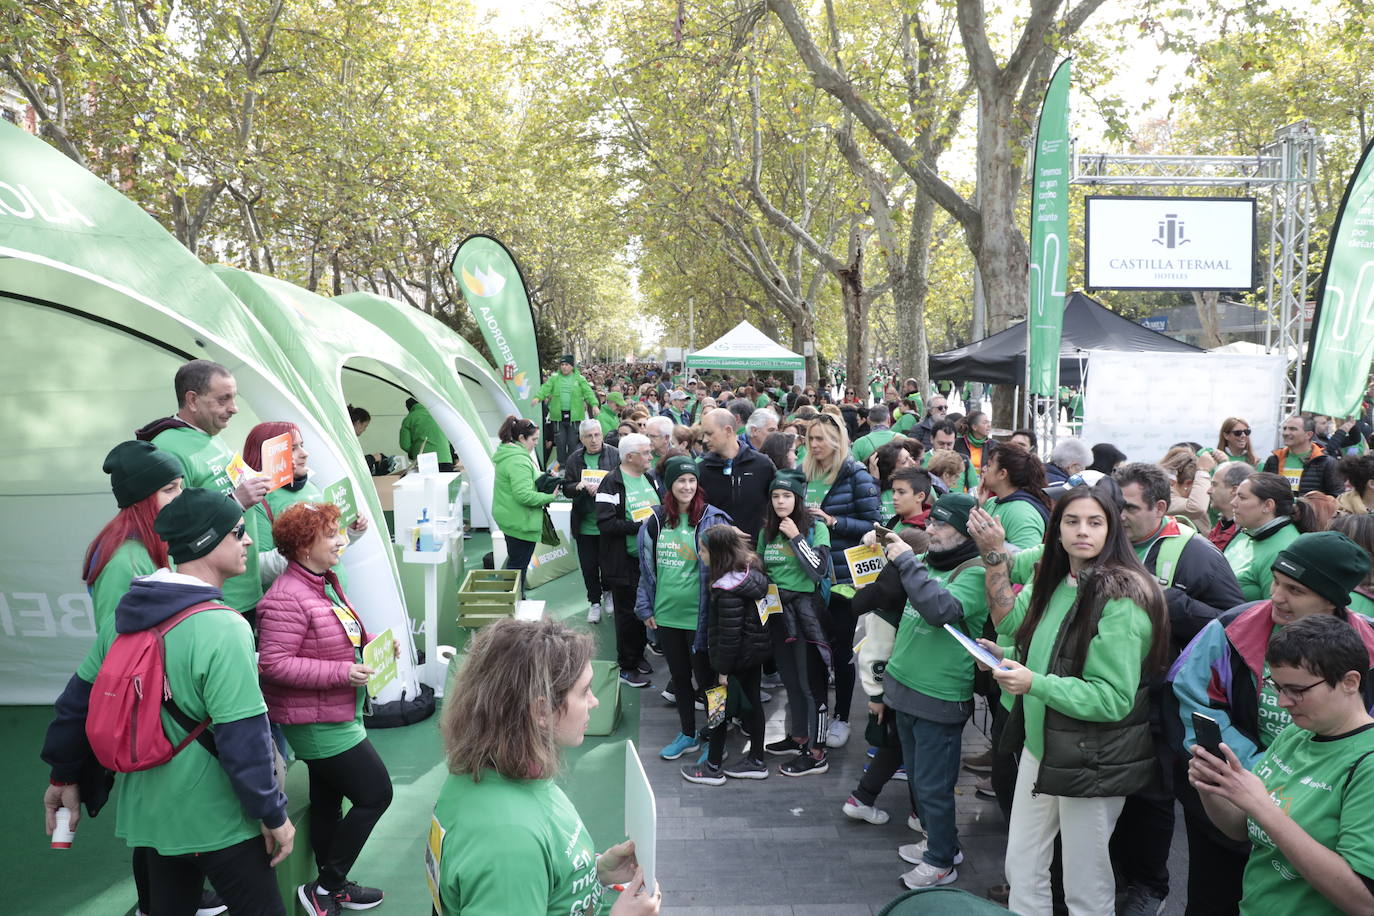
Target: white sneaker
859,812
594,613
607,603
837,735
914,823
915,853
924,875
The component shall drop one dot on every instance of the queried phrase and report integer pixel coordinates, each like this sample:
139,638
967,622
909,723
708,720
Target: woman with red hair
301,489
673,587
310,657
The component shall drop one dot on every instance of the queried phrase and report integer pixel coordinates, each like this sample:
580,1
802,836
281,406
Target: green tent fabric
745,347
101,306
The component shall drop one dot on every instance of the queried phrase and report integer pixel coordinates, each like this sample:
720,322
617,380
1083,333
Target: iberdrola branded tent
745,347
101,305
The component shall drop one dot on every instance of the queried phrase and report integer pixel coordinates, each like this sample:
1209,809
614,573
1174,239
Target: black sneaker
356,897
210,903
653,647
703,774
317,904
644,667
747,768
805,765
784,747
633,679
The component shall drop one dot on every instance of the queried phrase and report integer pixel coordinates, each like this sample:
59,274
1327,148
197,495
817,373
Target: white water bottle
63,833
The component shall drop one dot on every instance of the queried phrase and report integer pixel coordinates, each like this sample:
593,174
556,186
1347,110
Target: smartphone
1208,734
881,532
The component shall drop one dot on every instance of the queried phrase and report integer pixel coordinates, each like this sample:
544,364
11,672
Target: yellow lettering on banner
865,562
434,848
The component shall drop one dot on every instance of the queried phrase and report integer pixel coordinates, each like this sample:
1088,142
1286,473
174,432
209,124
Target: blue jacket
648,569
853,500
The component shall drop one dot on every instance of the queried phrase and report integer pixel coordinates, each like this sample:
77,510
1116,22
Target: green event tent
101,306
745,347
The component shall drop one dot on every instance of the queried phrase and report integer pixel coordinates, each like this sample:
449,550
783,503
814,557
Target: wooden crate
487,595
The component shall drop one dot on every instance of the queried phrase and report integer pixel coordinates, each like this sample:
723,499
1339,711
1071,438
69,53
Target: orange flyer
276,460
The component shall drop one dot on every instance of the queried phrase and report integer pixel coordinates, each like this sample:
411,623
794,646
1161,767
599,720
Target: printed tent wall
745,347
100,306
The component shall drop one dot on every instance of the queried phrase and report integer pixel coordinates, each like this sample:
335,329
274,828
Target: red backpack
124,719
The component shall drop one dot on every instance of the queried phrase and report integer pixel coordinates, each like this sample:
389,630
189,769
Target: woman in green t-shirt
672,588
1236,443
1360,529
310,656
1086,645
1269,519
504,838
1014,490
1306,807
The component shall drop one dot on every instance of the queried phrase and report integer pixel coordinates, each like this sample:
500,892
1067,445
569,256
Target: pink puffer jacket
303,651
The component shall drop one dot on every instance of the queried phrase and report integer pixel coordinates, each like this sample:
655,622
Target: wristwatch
994,558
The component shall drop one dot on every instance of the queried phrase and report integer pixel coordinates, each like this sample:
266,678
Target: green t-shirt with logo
639,495
907,420
513,848
864,446
212,670
1292,470
888,506
928,659
1273,718
129,562
780,560
1023,523
204,459
1306,776
816,491
677,588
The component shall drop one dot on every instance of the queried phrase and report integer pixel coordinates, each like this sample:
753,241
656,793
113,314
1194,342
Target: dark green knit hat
1327,562
195,522
789,479
138,470
568,358
676,466
953,509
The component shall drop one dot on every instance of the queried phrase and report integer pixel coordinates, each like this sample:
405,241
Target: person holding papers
517,506
582,475
504,838
1082,650
310,658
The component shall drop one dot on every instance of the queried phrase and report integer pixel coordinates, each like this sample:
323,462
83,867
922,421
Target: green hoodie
420,433
570,392
1251,555
515,503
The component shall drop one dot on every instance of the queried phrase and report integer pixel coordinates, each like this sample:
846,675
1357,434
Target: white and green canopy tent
746,348
101,305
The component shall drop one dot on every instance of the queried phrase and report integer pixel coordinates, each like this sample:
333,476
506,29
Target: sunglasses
1240,432
237,531
938,407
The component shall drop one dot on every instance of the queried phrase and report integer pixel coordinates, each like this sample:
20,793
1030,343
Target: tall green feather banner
495,291
1049,237
1342,343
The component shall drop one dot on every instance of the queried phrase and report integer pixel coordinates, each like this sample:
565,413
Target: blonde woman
511,841
844,497
1190,485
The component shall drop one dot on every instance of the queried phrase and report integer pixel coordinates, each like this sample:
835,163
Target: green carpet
93,878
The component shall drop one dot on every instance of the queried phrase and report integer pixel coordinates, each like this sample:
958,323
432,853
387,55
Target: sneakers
871,753
914,823
858,812
838,733
644,667
356,897
771,681
210,903
915,853
682,744
668,696
748,768
999,894
900,775
633,679
983,788
594,613
1140,901
706,753
979,763
786,747
765,696
805,765
317,904
653,647
703,774
926,875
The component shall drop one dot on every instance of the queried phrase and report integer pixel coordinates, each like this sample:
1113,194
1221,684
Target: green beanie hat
789,479
953,509
676,466
195,522
1327,562
138,470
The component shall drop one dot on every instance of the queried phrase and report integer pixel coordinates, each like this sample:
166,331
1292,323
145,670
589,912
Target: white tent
745,347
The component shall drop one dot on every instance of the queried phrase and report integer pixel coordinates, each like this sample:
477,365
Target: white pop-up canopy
745,347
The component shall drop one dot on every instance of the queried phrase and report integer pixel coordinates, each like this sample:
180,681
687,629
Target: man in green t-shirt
568,397
877,436
206,401
199,815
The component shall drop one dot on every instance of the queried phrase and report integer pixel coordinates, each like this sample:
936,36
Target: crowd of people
1189,628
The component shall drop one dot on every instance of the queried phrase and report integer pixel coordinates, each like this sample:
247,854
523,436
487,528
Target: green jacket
420,432
577,391
516,505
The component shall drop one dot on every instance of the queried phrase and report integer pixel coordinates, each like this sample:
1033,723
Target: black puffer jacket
737,637
853,501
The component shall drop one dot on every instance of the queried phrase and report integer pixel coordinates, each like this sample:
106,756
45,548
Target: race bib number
865,562
769,604
351,626
641,513
434,848
592,475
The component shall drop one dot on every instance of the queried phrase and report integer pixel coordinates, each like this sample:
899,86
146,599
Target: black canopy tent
1088,325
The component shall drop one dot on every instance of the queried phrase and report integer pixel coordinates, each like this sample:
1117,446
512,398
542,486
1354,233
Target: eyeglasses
1293,693
237,531
939,407
1240,432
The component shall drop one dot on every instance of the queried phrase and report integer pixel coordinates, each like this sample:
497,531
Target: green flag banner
1049,236
495,291
1342,342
